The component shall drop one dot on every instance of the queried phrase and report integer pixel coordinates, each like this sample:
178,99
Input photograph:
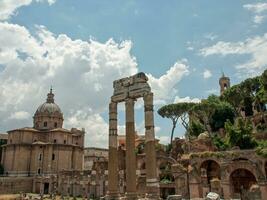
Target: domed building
45,149
48,115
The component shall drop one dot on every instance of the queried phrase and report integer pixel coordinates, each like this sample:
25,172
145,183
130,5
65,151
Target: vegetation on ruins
166,174
231,114
240,134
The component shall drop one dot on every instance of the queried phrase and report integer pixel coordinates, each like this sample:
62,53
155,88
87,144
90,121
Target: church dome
48,115
49,108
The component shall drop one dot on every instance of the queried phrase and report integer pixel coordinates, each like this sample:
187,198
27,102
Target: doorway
46,188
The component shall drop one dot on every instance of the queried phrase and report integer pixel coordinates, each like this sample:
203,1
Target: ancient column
152,185
113,153
130,151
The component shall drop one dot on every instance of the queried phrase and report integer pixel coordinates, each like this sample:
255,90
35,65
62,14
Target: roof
3,136
60,129
41,131
95,148
24,129
49,108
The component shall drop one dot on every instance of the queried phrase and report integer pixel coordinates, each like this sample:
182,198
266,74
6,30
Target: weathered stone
128,89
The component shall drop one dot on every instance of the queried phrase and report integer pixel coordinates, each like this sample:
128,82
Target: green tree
204,110
240,134
220,143
195,128
223,112
234,96
174,112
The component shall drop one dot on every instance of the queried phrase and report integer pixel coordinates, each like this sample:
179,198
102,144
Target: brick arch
208,159
228,169
208,170
241,178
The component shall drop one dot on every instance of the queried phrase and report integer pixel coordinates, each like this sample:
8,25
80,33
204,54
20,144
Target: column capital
130,100
113,106
148,98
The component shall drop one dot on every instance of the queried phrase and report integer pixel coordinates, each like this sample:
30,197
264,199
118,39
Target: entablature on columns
133,87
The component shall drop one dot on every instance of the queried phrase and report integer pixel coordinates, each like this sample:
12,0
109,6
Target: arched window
45,124
40,157
53,156
39,171
65,141
55,141
55,124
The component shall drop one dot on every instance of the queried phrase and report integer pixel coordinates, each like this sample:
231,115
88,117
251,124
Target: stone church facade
41,152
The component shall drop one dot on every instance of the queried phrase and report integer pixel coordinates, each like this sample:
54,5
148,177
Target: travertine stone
151,173
113,153
130,153
128,89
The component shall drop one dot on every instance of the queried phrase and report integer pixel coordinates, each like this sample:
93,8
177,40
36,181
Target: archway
210,169
241,180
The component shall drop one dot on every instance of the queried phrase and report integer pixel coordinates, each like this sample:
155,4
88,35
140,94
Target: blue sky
197,39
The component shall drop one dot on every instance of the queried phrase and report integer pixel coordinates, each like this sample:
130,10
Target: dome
49,108
48,115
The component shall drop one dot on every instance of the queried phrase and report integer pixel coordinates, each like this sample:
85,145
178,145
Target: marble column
152,184
113,153
130,151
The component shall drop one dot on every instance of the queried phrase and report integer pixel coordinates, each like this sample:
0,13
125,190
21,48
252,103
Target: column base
113,196
131,196
154,196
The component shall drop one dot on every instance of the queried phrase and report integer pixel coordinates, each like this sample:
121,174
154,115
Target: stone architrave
128,90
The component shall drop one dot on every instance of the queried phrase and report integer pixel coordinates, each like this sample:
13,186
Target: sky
80,47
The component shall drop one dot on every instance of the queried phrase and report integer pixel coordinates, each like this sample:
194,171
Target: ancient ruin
128,90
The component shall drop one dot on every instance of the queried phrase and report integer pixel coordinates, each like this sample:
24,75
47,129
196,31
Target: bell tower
224,83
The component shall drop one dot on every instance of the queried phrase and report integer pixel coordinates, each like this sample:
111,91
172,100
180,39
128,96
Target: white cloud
186,99
20,115
256,47
190,48
96,127
258,19
163,139
207,74
164,86
9,7
258,9
81,73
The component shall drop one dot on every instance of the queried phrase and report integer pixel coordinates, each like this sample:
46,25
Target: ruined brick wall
9,185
